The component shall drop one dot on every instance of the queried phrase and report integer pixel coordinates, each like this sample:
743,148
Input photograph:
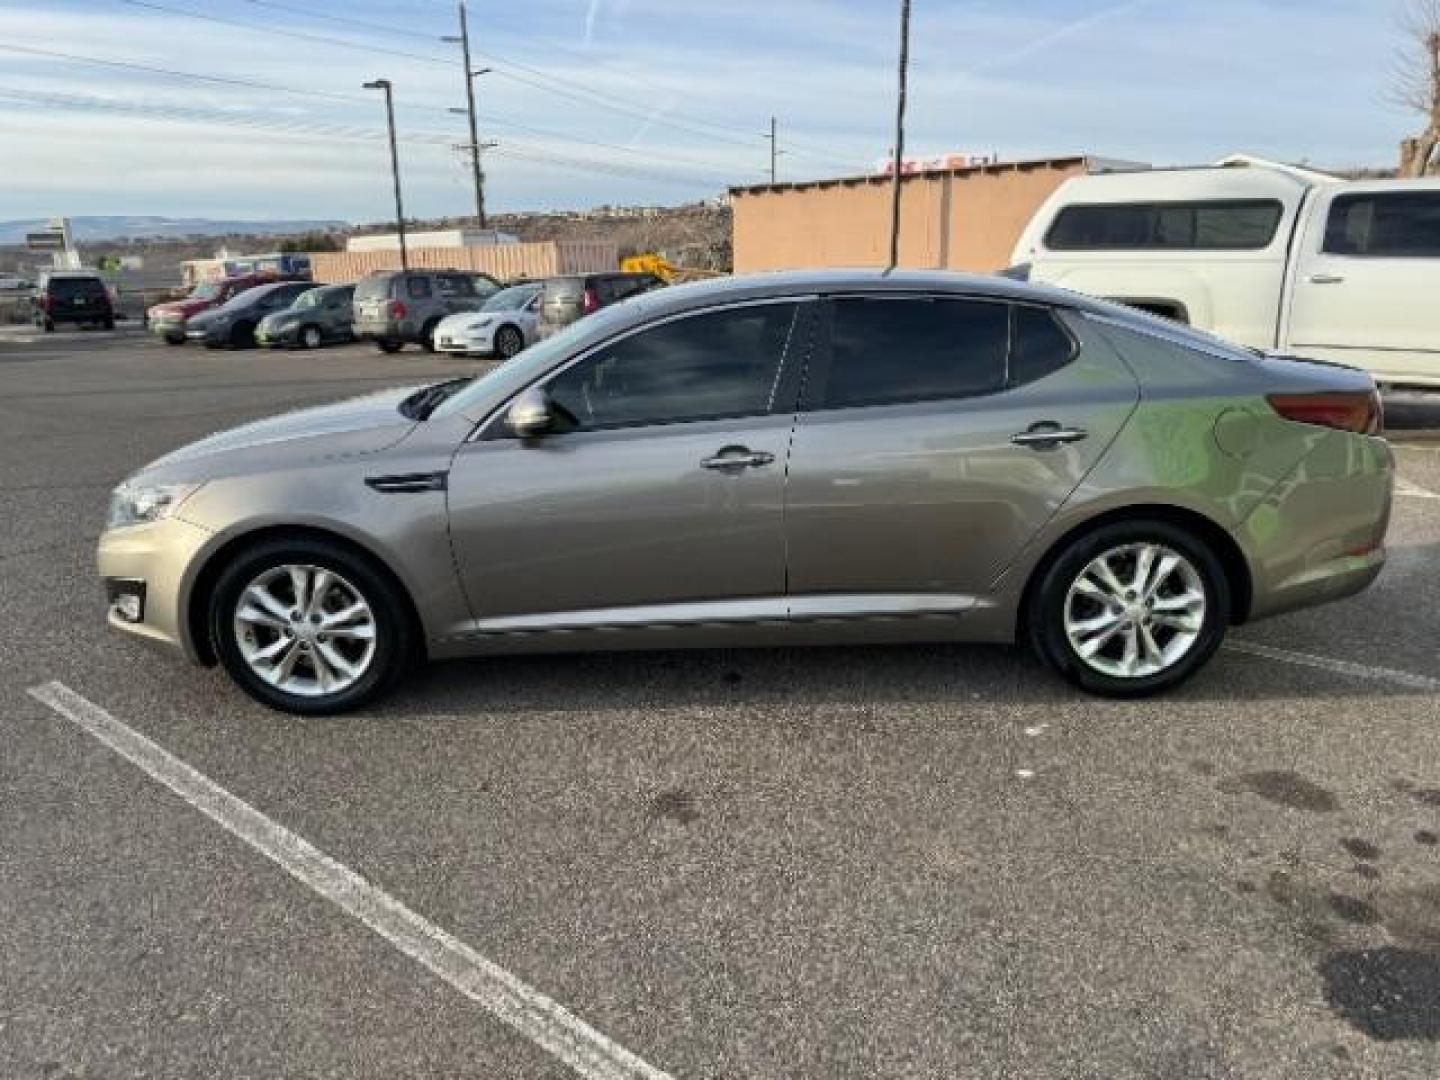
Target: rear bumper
1320,535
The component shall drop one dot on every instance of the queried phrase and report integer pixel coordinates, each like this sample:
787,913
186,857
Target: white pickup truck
1271,256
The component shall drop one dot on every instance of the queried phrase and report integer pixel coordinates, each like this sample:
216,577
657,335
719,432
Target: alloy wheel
1135,610
305,630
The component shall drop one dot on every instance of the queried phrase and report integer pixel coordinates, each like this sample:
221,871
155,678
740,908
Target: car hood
185,308
462,319
363,425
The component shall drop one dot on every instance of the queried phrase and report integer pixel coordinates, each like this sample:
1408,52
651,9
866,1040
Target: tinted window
1225,225
71,288
453,286
889,351
1392,224
419,288
724,363
1038,346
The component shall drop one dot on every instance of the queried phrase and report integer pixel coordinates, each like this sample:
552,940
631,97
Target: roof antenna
899,137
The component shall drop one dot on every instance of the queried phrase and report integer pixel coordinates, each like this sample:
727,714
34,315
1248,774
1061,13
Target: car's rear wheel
385,345
1130,609
310,337
508,342
305,626
427,335
174,339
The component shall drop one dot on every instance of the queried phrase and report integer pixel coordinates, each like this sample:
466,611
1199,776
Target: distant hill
154,228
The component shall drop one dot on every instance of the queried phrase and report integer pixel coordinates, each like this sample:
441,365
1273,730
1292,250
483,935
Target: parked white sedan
504,326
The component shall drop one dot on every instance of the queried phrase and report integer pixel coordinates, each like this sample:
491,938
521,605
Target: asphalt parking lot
831,863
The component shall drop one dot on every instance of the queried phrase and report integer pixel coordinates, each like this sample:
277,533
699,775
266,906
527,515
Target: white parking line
1339,667
529,1012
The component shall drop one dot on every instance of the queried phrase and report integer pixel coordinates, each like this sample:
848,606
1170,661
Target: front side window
1215,225
701,367
453,286
885,352
1398,224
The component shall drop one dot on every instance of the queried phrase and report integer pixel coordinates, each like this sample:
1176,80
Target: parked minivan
77,297
1276,257
398,307
574,296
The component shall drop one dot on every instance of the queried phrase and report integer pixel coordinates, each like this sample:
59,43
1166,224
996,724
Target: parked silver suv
395,308
804,458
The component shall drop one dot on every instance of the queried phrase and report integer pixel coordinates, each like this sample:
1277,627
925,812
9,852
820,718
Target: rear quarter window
1039,346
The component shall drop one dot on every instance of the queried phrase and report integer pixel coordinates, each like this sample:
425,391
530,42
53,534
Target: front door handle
1048,435
1326,279
734,458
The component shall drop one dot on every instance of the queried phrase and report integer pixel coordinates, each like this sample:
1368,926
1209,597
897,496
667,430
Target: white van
1271,256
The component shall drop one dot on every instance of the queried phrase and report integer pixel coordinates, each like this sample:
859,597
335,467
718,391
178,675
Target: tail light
591,302
1354,411
398,310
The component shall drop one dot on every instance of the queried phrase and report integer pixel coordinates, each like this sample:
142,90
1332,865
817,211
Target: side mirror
530,415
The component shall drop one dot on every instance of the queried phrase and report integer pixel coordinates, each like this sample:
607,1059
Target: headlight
481,324
135,504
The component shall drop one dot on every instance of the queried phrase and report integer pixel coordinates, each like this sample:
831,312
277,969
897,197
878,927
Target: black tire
242,336
172,339
1045,613
395,637
509,342
48,326
385,345
427,335
109,322
310,337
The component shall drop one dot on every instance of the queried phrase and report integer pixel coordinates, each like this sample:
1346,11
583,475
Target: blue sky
688,87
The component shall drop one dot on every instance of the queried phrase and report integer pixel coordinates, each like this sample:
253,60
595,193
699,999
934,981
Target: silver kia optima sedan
781,459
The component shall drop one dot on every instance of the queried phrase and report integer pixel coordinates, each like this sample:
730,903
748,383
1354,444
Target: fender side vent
408,483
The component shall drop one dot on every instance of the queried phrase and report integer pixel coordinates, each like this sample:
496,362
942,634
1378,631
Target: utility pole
772,150
385,84
899,134
476,167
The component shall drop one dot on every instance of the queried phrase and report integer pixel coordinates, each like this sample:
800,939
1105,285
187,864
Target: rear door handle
1326,279
737,457
1048,435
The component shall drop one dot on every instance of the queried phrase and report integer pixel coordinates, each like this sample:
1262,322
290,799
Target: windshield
208,290
512,299
533,361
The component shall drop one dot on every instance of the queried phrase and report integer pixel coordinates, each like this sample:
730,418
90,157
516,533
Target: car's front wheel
311,337
508,342
305,626
1130,609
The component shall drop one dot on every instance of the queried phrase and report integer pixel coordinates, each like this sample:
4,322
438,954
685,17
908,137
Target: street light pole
385,84
772,150
477,168
899,134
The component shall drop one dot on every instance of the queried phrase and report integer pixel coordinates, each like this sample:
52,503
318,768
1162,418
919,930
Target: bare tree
1415,82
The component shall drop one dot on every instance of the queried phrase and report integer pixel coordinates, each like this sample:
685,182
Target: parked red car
168,320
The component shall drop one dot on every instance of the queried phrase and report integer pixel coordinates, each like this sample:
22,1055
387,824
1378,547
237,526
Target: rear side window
418,288
1217,225
454,286
1038,346
1396,225
884,352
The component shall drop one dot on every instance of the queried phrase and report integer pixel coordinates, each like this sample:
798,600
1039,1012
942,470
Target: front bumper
168,328
466,342
283,338
156,561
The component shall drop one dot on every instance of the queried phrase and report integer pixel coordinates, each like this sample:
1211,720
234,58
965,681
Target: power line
351,99
310,129
533,77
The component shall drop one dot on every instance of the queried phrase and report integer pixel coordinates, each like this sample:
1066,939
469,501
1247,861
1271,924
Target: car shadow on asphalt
849,675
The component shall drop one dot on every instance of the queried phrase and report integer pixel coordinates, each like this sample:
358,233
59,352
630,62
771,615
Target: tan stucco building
965,218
